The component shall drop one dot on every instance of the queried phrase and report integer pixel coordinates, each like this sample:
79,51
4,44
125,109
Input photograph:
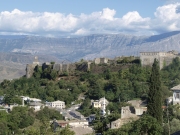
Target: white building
100,103
30,99
78,123
35,105
56,104
176,94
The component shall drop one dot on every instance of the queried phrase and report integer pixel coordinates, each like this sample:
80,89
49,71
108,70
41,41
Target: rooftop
176,87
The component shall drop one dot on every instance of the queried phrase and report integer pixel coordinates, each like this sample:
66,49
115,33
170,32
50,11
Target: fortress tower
164,58
30,67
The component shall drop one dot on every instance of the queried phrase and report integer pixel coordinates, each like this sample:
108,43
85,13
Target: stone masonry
164,58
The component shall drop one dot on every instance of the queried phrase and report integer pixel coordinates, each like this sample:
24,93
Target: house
25,98
35,99
36,105
77,115
130,113
99,103
80,127
119,122
139,106
78,123
61,123
56,104
176,94
72,123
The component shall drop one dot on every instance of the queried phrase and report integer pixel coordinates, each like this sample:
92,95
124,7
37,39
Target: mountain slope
91,46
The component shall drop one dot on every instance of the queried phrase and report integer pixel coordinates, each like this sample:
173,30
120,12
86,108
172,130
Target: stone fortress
64,66
146,58
30,67
164,58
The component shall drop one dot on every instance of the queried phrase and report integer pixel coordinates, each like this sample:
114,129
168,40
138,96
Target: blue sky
82,17
145,7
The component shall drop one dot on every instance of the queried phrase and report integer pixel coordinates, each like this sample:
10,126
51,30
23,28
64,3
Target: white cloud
108,14
166,18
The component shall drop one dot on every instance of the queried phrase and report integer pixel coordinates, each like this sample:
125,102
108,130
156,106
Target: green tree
147,125
175,125
154,107
49,114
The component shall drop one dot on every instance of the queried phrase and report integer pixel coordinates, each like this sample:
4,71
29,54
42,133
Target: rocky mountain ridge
19,50
89,47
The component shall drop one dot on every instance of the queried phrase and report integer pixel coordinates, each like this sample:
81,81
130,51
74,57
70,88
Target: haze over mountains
21,49
89,47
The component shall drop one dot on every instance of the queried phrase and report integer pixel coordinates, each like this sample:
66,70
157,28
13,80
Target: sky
68,18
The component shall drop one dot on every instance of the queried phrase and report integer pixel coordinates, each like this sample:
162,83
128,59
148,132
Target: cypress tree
154,107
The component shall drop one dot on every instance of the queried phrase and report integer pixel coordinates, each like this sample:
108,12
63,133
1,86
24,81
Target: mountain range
21,49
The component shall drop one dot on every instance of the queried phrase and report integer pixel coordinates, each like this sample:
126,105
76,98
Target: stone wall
101,60
164,58
30,70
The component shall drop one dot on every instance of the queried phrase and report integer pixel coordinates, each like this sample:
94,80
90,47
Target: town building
25,98
99,103
36,106
176,94
130,113
56,104
80,127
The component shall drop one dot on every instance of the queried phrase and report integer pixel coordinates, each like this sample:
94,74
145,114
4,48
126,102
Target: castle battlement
164,58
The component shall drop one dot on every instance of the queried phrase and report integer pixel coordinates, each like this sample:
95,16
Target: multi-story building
56,104
99,103
176,94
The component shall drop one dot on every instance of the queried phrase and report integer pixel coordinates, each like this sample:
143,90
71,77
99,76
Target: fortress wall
164,58
97,60
103,60
82,66
65,67
168,60
72,67
147,58
30,70
57,67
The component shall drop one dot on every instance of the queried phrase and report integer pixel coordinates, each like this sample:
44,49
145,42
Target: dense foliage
147,125
21,117
18,118
130,82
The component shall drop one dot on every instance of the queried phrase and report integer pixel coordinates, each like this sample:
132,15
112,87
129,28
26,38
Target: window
177,95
